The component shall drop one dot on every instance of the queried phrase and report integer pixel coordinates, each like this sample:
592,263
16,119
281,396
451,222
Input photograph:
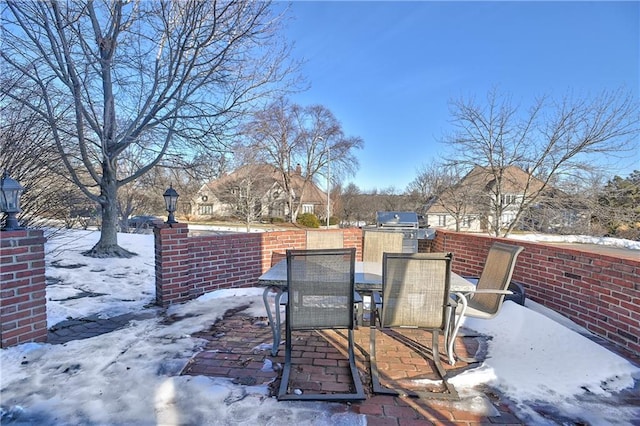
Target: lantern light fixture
171,202
10,191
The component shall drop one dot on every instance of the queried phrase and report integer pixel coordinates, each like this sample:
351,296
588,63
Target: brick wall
23,310
187,267
597,291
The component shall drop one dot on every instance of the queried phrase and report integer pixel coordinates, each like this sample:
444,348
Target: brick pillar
173,282
23,306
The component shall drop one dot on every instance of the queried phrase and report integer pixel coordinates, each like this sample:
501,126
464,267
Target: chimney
298,169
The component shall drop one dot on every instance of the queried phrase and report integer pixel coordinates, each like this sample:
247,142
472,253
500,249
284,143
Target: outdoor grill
404,222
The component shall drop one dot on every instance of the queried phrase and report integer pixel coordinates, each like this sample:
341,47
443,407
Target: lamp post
326,145
328,184
171,201
10,201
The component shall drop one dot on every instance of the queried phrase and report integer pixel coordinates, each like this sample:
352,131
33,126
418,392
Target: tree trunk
108,246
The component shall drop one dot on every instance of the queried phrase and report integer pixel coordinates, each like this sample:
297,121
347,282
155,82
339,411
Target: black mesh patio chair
415,294
320,297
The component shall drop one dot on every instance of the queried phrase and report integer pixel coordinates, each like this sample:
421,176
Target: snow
130,376
578,239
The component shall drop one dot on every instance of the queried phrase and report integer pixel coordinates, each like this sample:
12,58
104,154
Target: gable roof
481,180
269,175
514,179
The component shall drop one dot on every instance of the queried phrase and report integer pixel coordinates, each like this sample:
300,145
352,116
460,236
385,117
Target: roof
269,175
514,179
480,180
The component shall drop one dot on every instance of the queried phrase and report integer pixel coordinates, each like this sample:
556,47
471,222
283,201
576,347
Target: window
508,218
205,209
307,208
466,221
442,220
509,199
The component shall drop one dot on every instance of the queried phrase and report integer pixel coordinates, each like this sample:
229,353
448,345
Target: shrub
309,220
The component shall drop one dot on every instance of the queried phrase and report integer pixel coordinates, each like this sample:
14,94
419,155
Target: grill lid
395,219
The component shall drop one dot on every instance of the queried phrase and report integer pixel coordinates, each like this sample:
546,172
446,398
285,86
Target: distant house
264,186
471,204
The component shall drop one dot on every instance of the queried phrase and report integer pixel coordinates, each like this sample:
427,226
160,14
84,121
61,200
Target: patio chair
415,294
375,244
378,242
325,239
486,300
320,297
329,240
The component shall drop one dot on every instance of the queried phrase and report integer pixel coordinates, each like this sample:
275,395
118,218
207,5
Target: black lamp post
171,201
10,201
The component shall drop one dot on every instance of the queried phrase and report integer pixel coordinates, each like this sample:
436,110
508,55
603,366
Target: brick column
173,281
23,308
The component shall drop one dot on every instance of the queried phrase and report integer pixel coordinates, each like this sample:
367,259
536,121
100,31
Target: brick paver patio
237,350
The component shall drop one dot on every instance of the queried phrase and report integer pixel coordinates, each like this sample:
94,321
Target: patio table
367,279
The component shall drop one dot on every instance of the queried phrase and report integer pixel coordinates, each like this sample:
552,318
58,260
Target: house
257,191
474,202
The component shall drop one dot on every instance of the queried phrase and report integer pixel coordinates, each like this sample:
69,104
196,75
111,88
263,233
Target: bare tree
444,186
549,140
245,190
164,76
430,181
288,136
347,204
27,155
388,199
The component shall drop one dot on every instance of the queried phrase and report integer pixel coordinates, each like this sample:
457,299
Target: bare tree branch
549,140
172,77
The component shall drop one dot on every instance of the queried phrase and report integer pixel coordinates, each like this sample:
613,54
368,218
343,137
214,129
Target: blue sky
388,70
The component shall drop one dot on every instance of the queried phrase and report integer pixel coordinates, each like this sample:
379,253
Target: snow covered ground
130,376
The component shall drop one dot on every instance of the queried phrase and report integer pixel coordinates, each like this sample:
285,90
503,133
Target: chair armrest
468,294
464,296
488,292
457,297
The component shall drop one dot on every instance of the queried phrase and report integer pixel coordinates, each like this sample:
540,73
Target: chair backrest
415,289
325,239
320,288
378,242
496,275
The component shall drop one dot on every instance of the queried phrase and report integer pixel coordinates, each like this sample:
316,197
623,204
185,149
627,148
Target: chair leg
451,392
275,325
451,337
375,379
469,360
286,371
359,313
450,320
355,376
358,395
